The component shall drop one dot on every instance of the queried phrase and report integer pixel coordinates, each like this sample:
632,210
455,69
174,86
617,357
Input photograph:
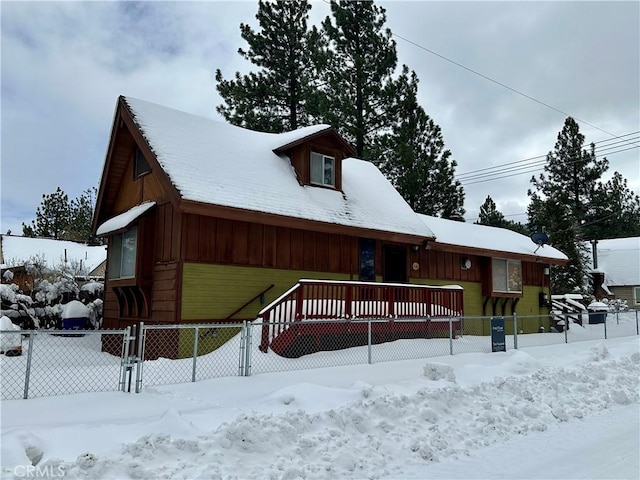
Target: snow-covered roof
619,259
123,220
19,250
483,237
220,164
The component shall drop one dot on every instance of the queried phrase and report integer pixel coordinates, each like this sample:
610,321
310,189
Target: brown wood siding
533,274
165,292
301,154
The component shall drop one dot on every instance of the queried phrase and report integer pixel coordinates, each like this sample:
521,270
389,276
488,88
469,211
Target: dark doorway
395,264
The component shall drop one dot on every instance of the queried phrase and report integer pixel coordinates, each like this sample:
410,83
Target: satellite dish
540,239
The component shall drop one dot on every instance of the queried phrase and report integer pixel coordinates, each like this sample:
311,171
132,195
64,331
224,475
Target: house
208,222
20,255
615,264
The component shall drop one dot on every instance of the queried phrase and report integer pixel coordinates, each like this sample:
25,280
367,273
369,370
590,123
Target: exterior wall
213,292
626,293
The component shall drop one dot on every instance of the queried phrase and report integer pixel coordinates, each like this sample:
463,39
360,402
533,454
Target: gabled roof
619,259
20,250
484,239
214,163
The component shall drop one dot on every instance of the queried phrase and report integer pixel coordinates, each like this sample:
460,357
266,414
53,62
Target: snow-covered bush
9,341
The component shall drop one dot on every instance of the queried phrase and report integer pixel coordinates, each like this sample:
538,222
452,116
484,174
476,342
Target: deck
319,315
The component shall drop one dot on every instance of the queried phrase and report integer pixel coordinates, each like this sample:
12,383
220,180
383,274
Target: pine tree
489,214
52,217
360,95
560,203
60,219
281,95
614,211
413,157
81,218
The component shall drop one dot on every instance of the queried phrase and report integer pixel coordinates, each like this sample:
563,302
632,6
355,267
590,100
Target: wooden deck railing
332,300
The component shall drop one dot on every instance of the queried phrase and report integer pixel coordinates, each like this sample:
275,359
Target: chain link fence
60,362
57,362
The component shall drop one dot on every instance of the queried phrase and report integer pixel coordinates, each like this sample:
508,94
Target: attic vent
140,164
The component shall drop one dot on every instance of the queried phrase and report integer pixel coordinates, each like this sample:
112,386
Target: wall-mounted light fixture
425,244
546,271
415,248
465,263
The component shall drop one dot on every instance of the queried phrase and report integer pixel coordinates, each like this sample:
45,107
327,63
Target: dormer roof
209,162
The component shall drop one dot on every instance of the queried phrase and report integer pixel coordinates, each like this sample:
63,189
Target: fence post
605,327
125,359
450,336
247,350
515,330
195,354
140,359
28,371
566,327
369,340
242,357
637,328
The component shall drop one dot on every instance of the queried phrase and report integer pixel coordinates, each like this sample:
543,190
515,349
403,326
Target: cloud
65,63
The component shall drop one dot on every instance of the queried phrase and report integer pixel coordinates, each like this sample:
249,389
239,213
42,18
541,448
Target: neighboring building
616,263
18,253
202,217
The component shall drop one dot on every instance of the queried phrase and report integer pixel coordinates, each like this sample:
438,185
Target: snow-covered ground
556,411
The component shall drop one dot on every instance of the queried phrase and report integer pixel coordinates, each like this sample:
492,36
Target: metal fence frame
43,346
243,358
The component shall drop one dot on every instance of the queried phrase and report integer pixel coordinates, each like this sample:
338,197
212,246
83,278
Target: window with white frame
122,254
507,276
322,169
636,295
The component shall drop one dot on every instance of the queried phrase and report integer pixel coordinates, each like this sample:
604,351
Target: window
322,169
636,295
507,276
122,254
140,164
367,260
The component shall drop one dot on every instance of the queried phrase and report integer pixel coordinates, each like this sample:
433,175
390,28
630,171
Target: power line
545,155
499,83
531,169
539,165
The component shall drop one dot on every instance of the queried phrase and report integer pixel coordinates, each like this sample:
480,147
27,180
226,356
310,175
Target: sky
560,411
65,63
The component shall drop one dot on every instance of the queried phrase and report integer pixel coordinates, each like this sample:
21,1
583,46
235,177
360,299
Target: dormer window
140,164
322,170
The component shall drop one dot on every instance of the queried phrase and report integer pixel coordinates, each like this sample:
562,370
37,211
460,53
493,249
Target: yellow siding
215,291
472,294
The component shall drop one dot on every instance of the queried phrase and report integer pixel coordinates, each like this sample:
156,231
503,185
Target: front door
395,264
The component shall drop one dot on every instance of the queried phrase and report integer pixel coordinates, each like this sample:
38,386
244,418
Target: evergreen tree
489,214
279,97
81,218
571,172
361,93
60,219
52,217
413,158
560,203
614,211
